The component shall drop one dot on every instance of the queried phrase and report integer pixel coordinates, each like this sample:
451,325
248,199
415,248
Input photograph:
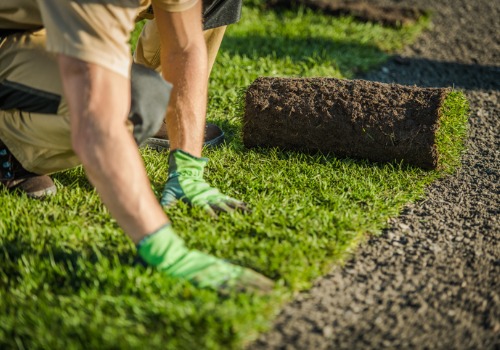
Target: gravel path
432,280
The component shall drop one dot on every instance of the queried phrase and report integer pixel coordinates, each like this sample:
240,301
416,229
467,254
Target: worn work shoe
167,252
15,178
213,136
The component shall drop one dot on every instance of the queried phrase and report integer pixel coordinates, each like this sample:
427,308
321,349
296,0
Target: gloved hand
185,182
167,252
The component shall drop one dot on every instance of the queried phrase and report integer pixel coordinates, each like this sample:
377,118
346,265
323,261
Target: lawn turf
67,278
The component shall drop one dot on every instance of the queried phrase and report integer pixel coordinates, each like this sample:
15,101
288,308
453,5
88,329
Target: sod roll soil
349,118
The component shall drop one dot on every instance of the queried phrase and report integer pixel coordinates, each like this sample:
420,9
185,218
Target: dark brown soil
432,279
362,10
350,118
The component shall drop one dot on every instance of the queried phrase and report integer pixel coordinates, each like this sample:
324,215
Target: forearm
187,109
114,167
106,147
184,64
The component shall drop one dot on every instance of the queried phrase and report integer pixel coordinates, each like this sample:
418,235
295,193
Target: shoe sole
48,191
42,193
163,144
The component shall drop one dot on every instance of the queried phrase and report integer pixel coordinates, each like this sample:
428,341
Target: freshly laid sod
67,278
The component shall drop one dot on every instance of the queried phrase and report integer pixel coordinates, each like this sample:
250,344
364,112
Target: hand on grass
185,182
167,252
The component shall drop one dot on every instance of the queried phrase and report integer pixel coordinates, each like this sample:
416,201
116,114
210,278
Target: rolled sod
424,127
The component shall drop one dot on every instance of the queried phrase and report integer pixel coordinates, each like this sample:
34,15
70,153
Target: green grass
452,128
67,279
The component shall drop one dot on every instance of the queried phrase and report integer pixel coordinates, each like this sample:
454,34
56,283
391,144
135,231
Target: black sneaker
15,178
213,136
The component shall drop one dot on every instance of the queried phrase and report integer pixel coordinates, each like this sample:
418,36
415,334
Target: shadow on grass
64,267
74,178
315,157
349,57
432,73
356,60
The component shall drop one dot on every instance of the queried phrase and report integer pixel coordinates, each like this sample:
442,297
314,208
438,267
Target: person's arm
147,53
99,102
98,106
184,64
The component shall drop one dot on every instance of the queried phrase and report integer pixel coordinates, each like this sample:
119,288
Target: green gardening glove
167,252
185,182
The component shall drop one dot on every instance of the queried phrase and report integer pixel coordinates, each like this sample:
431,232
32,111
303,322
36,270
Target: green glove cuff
181,163
167,252
185,182
162,248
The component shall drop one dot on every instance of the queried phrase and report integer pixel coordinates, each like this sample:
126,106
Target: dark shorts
218,13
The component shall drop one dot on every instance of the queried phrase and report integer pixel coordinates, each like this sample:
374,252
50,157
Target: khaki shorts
34,117
40,141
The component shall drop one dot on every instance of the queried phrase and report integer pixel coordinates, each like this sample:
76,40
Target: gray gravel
432,280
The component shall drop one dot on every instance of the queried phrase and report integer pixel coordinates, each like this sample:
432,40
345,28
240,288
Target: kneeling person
71,103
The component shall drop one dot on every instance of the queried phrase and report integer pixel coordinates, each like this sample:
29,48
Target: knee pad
150,96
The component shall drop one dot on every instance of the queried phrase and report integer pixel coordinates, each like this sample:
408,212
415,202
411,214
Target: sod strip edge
452,130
